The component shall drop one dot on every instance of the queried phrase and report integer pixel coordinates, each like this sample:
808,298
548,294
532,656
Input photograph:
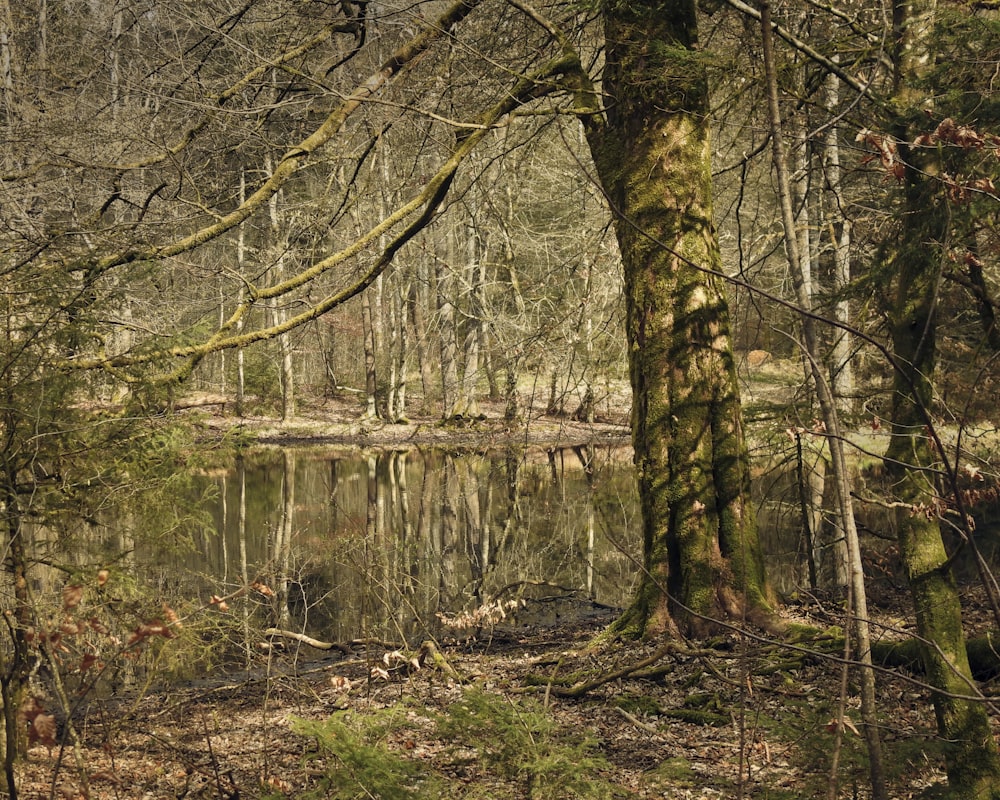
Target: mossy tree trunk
701,552
915,260
972,763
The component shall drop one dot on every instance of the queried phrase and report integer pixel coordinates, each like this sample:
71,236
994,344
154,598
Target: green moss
639,704
671,775
699,717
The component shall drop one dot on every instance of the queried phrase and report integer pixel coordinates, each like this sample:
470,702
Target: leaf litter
732,716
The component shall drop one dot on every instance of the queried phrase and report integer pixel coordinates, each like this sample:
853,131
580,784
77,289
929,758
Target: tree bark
840,241
798,263
915,259
702,560
448,337
418,305
368,333
467,405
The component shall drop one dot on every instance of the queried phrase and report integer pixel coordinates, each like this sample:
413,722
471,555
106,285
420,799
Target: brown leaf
88,660
171,617
215,600
152,628
43,730
279,784
72,595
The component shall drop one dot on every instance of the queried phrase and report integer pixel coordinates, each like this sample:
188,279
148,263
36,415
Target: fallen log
309,640
983,651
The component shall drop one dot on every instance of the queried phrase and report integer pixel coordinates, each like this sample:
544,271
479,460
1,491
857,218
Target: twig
637,722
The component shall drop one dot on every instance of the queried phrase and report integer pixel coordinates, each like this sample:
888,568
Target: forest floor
502,710
489,716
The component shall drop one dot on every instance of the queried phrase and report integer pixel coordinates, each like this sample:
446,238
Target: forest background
257,205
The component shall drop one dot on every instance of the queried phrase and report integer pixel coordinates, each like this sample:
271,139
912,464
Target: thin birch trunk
279,313
468,402
368,333
830,418
449,339
417,304
840,234
241,249
402,351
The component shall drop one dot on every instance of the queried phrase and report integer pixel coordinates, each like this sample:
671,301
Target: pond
396,544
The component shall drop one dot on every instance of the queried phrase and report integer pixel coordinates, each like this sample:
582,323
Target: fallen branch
347,649
583,687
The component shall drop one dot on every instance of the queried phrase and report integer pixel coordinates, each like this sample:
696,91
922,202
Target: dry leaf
171,617
43,730
72,595
88,660
848,725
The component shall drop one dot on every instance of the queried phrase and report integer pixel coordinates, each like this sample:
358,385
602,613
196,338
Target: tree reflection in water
379,543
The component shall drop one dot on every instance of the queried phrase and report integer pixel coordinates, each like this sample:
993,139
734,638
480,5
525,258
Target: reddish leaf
72,595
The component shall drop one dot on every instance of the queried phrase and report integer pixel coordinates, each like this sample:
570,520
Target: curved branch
426,203
292,160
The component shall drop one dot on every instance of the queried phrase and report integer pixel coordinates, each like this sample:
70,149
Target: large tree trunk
915,260
701,553
971,757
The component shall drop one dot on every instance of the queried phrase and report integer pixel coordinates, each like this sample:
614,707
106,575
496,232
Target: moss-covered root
430,656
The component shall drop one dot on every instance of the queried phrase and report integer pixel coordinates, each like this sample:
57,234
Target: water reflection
379,543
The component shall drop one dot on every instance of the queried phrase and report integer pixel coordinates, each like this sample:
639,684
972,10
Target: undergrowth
497,747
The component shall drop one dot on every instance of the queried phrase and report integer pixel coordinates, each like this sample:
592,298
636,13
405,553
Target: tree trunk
915,260
368,334
971,757
402,352
417,305
468,400
701,554
840,236
449,339
278,312
798,263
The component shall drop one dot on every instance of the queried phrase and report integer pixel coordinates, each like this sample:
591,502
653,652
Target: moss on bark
701,554
915,260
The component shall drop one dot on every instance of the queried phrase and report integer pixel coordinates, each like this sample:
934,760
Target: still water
395,545
387,544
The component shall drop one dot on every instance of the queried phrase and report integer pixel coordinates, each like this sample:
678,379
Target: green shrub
362,764
521,741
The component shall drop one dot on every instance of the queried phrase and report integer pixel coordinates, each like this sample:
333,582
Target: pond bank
341,422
